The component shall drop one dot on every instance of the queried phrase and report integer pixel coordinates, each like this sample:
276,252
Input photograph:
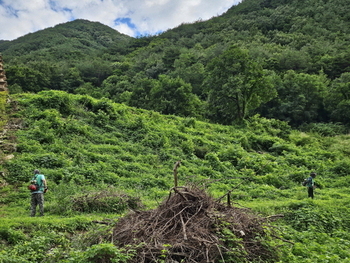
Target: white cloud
19,17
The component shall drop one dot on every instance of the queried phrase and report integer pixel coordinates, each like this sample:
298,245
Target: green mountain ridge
79,36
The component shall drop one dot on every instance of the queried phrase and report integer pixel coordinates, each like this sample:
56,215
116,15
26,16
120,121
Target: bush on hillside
340,168
310,218
104,201
69,198
325,129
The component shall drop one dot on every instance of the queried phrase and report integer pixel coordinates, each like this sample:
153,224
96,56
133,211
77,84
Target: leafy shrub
325,129
55,175
277,180
103,201
106,106
106,253
262,142
11,236
74,127
340,182
17,194
29,146
18,170
303,139
33,250
298,176
9,257
42,133
263,191
150,182
189,122
214,161
201,151
232,154
341,168
207,172
187,147
54,99
279,148
310,218
272,127
297,160
49,161
154,140
259,163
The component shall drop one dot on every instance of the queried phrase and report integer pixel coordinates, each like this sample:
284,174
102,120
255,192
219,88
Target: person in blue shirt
311,185
38,194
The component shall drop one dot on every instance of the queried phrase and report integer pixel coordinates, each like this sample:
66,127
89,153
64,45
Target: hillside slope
108,162
99,152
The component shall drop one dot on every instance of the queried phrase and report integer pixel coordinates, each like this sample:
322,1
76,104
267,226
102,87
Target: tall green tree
27,79
95,71
170,55
300,98
166,95
237,85
114,86
189,66
141,93
338,98
174,96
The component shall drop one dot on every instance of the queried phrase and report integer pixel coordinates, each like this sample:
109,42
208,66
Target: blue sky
130,17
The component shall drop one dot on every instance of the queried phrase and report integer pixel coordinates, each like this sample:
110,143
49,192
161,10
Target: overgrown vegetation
104,159
105,117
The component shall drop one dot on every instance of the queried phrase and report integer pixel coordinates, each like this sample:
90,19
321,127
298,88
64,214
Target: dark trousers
310,191
37,199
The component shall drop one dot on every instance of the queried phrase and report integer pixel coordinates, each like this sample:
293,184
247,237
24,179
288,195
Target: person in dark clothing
311,185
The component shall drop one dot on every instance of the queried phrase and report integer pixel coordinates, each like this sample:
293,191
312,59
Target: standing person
38,194
311,185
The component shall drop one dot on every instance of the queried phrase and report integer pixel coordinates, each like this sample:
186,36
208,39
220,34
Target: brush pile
190,226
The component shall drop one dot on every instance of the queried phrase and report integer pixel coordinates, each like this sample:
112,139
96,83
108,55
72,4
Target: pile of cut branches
191,226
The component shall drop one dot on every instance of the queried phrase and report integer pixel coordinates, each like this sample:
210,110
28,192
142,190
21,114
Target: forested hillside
188,146
298,51
64,57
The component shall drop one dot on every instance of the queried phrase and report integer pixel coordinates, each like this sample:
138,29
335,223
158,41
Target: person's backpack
34,186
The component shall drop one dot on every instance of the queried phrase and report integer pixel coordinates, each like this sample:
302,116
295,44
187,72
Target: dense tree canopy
338,98
287,44
300,98
236,85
